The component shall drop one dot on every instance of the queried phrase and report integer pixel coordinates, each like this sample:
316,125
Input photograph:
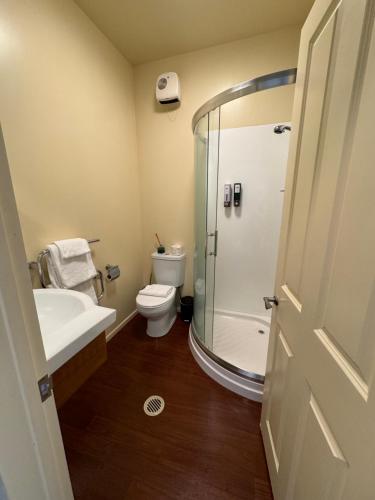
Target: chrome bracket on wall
45,387
99,277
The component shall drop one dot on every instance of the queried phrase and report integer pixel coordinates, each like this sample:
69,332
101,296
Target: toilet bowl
159,311
168,270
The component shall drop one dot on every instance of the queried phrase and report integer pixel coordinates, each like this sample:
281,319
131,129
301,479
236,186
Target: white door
32,459
318,418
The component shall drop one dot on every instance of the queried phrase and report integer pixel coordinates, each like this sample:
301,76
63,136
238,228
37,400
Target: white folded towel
68,273
88,288
157,290
72,248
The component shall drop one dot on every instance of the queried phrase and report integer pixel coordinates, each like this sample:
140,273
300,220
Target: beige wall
67,112
68,116
165,139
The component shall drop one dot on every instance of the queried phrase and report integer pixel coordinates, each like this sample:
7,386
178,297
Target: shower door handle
213,235
268,301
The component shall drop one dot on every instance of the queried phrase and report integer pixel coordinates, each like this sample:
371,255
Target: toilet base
159,327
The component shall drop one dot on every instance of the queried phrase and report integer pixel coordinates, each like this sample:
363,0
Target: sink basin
69,320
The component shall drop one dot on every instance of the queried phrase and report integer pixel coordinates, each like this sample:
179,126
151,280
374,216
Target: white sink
69,321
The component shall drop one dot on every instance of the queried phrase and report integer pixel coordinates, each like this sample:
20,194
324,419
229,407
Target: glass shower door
201,155
211,222
206,166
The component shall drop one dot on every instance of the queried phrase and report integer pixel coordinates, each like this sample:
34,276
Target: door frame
24,350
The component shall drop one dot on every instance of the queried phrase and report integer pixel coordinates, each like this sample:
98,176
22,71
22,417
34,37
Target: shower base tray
240,384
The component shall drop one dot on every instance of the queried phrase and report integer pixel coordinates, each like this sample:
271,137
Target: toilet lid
150,301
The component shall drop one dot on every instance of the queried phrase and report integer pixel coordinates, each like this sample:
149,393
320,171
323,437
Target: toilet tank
168,269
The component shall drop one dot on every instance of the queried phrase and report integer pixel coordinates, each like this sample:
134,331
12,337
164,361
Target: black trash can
187,306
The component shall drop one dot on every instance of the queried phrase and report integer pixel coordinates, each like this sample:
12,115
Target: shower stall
241,147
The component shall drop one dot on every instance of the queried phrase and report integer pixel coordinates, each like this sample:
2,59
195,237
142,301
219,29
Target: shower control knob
268,301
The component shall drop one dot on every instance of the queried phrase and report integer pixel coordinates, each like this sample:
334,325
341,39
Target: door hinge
45,387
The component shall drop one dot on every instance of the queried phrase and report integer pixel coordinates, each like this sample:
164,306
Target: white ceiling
145,30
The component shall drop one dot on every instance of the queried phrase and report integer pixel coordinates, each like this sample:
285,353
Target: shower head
280,129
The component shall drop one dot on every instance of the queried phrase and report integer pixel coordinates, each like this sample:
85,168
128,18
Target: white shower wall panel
248,235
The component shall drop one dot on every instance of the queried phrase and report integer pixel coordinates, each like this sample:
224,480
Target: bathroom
203,197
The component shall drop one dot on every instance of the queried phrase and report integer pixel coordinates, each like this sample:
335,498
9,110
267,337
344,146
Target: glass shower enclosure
208,322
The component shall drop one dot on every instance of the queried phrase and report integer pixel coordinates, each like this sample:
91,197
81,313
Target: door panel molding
276,414
325,277
318,75
318,451
344,365
292,298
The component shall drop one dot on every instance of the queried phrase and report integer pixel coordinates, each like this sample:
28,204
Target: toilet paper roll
177,249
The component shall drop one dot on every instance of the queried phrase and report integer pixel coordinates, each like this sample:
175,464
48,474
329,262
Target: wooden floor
205,445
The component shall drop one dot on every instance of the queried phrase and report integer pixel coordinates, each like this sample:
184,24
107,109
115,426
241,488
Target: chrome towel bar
38,264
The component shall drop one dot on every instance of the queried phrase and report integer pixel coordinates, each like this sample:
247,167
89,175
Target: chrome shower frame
265,82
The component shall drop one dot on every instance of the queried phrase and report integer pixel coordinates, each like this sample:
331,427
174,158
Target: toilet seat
150,302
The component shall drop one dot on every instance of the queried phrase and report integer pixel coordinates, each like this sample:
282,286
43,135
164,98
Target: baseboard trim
109,336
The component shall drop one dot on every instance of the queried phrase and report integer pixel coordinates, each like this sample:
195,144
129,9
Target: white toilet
161,311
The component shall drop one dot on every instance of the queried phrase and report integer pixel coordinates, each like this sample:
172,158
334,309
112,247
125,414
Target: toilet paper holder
113,272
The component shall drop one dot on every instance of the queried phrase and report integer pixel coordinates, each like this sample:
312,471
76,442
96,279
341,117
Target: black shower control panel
237,194
227,195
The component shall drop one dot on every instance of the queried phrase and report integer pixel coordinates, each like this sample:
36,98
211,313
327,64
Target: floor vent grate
153,406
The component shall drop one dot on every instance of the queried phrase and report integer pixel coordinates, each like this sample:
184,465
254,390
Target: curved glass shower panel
206,136
201,156
236,245
211,223
251,153
254,156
